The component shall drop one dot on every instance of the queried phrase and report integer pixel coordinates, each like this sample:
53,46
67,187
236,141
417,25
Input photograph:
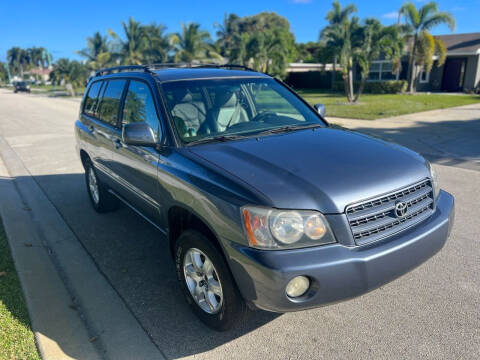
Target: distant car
21,86
262,202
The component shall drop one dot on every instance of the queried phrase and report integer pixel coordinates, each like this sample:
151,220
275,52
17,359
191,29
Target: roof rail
150,67
198,65
122,68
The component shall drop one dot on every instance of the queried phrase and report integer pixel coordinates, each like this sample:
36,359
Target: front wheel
207,282
101,199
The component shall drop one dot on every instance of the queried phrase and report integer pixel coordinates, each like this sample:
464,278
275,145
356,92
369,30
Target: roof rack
150,67
122,68
197,65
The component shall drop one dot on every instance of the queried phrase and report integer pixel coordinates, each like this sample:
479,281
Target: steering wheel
262,116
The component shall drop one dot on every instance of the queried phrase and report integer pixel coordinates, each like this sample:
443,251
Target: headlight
434,176
285,229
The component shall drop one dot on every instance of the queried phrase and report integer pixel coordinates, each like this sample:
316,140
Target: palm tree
192,43
131,49
157,45
69,72
336,18
18,59
345,38
376,40
418,23
98,51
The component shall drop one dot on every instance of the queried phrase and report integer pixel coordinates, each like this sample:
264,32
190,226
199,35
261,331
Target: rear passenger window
139,105
109,104
91,99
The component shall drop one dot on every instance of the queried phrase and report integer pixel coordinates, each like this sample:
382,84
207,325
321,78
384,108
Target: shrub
377,87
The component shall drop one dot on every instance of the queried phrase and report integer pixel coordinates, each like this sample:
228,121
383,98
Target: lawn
372,106
16,337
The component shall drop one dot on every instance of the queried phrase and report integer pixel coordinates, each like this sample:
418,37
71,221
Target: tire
223,310
102,201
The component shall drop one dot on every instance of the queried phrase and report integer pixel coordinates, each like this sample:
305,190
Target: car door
105,130
137,166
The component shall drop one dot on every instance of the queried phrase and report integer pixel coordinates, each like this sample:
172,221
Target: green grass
16,337
372,106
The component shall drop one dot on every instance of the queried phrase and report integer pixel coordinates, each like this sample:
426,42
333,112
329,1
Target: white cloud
390,15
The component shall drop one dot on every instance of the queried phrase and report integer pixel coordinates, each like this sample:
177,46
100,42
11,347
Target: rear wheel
207,282
101,199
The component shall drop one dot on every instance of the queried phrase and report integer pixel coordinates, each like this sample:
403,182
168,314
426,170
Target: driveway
432,312
448,137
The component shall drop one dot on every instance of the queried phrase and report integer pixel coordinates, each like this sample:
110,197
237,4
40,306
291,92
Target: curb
75,312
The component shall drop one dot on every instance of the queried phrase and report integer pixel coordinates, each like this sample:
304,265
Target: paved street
432,312
448,136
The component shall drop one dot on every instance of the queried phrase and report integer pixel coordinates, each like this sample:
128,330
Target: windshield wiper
221,138
288,128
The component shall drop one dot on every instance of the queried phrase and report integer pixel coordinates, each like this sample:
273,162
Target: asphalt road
432,312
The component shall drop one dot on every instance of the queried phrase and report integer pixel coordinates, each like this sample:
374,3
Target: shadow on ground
135,259
450,142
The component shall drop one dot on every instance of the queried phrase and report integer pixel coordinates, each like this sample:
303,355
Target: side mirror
138,134
320,109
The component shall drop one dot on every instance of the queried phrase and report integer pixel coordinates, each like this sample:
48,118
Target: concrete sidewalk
447,136
75,312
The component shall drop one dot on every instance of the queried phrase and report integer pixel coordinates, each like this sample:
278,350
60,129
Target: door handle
118,143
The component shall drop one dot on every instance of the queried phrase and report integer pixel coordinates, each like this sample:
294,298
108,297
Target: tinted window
91,99
139,105
109,105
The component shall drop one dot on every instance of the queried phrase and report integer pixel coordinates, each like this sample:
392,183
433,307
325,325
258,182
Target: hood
323,169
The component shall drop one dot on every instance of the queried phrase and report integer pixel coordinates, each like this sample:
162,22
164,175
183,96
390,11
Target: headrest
225,99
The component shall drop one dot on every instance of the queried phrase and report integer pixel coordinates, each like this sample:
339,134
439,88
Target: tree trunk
345,85
411,67
360,88
334,72
350,85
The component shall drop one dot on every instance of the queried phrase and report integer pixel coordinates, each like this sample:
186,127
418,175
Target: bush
377,87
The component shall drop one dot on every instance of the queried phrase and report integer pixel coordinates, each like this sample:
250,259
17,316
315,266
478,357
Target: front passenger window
139,106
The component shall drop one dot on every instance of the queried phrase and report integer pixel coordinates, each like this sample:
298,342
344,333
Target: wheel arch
180,219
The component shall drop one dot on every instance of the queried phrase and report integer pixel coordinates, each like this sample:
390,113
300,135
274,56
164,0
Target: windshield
208,109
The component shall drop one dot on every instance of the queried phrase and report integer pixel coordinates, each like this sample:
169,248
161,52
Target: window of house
381,70
139,105
109,104
424,76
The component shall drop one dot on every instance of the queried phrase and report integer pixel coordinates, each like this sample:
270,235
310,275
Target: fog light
298,286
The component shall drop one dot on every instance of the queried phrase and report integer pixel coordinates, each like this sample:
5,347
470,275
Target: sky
63,26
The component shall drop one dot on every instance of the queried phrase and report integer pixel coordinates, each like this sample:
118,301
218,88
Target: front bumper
337,272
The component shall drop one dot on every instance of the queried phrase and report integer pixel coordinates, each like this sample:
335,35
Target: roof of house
462,44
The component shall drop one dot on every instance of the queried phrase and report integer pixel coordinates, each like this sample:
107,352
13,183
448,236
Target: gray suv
263,204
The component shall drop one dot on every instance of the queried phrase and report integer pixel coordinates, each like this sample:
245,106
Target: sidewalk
445,136
75,312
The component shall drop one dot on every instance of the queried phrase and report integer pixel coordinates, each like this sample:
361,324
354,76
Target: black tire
105,202
233,308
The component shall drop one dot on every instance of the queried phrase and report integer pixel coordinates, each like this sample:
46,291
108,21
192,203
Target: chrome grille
375,219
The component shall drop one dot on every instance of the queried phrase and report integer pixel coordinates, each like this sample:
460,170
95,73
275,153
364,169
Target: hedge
377,87
312,79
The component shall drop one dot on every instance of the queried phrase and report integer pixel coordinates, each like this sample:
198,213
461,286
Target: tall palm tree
417,24
376,40
157,44
18,59
344,38
98,51
336,18
130,50
192,43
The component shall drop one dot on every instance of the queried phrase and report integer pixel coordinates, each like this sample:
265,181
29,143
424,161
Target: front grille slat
375,219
